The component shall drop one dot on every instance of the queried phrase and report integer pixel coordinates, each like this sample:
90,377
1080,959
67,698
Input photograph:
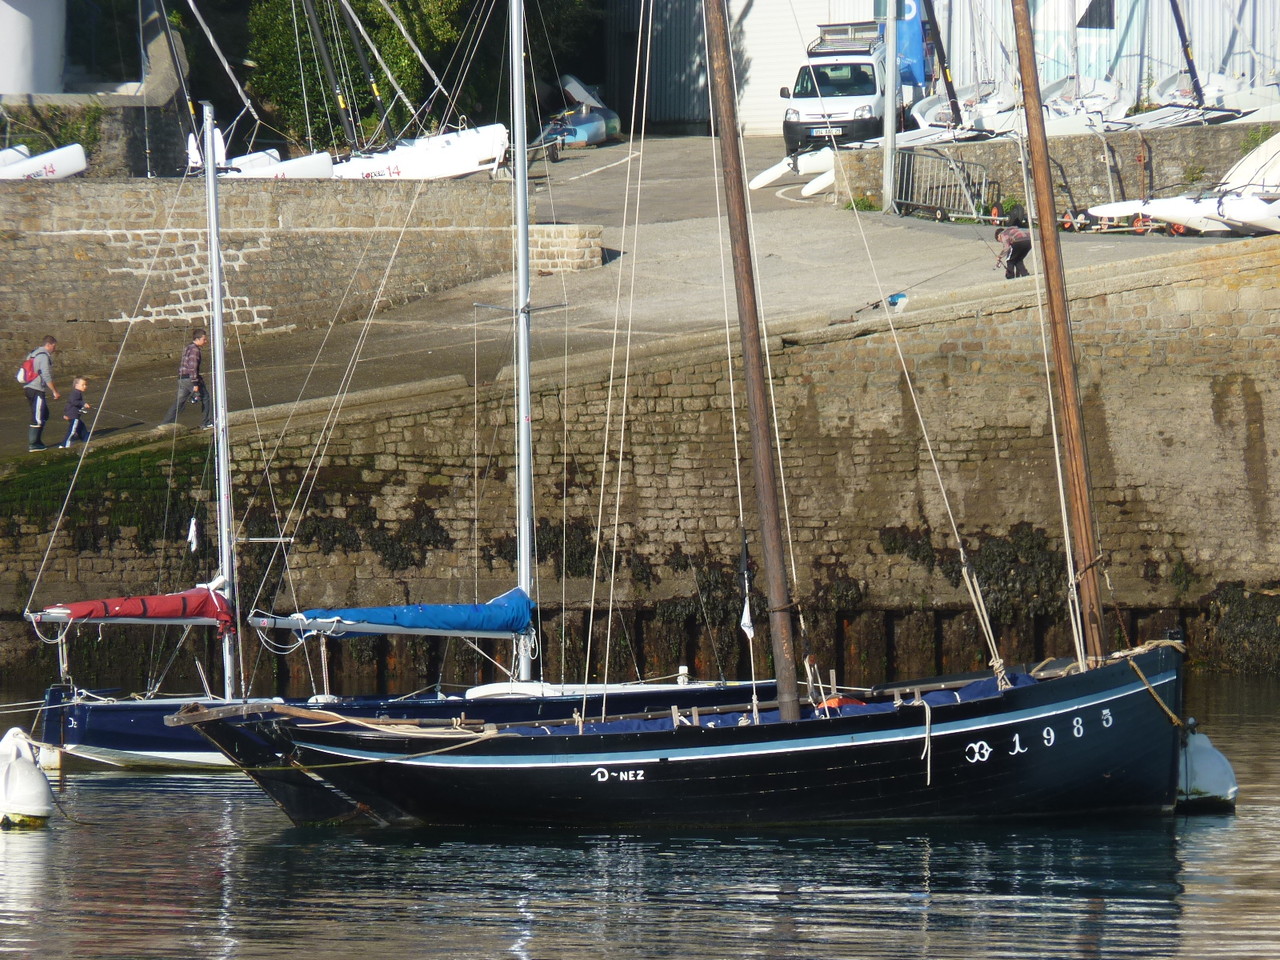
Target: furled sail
199,606
508,614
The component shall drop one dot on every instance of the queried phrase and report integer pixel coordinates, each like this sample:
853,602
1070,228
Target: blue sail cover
510,613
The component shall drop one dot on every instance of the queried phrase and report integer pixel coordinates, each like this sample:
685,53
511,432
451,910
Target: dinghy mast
222,435
724,100
1082,538
524,426
1185,41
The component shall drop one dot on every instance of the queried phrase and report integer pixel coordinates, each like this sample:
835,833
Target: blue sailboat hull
133,733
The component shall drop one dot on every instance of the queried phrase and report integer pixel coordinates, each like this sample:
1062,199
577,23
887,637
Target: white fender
25,794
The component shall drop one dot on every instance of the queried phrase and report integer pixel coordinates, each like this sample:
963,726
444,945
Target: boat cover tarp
510,613
199,603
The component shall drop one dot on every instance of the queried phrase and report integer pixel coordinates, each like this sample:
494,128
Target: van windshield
835,80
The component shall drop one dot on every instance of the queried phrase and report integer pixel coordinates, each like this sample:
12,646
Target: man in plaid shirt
190,384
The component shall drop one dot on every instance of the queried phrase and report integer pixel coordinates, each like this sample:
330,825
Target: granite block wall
1178,355
130,255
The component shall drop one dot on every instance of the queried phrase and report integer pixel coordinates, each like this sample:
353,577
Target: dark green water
205,866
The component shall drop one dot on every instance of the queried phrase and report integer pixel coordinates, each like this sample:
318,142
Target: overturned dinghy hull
1096,741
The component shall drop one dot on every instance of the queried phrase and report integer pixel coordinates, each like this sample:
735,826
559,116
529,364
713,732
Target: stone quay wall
413,500
130,256
1087,169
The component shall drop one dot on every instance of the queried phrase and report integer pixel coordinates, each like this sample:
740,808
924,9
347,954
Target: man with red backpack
34,389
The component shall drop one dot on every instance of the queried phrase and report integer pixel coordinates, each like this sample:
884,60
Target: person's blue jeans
76,431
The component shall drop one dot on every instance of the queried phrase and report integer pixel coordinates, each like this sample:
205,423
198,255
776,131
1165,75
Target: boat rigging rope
217,52
440,87
377,55
303,86
306,487
1173,717
745,622
618,380
1043,220
972,586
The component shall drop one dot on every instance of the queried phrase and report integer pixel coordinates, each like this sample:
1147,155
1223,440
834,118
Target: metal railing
930,183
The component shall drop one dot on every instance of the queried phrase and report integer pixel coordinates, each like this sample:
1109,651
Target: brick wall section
1087,170
131,253
559,247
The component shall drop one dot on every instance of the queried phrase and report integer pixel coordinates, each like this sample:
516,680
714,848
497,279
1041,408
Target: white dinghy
438,157
1251,215
54,165
267,165
1255,174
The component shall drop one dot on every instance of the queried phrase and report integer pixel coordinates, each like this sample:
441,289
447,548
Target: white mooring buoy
26,799
1206,782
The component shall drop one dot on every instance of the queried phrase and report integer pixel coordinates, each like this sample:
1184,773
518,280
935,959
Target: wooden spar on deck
724,99
1081,535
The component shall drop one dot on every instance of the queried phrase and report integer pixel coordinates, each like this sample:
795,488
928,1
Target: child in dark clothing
75,410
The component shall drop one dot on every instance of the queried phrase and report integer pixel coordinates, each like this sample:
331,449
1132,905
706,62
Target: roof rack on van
834,38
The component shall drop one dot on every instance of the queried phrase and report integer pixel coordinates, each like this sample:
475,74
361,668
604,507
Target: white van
839,95
839,92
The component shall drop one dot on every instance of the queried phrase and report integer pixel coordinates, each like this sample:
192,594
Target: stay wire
735,425
971,583
1075,614
630,219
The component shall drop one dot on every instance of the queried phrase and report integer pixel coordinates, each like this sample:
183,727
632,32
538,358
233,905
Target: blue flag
912,66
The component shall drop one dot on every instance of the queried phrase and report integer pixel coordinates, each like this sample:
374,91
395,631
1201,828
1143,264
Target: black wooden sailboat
1096,733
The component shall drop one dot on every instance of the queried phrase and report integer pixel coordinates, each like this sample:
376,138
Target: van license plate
826,131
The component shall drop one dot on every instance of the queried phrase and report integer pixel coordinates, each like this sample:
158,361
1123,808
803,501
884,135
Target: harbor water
205,866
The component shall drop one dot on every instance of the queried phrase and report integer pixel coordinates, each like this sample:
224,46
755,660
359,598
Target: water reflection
182,866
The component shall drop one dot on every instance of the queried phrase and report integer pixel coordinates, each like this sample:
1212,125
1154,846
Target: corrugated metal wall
1236,37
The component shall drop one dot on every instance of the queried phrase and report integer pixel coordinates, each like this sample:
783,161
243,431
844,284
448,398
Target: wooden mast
760,422
1083,538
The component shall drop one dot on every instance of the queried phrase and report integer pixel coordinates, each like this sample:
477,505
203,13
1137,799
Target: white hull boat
1177,89
54,165
808,163
978,102
13,154
1250,214
444,155
267,165
1255,175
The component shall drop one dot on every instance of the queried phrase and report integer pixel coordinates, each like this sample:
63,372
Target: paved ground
663,277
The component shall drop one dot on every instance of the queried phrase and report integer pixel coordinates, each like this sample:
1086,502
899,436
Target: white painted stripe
590,173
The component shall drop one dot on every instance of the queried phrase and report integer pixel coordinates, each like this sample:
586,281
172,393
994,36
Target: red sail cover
188,605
